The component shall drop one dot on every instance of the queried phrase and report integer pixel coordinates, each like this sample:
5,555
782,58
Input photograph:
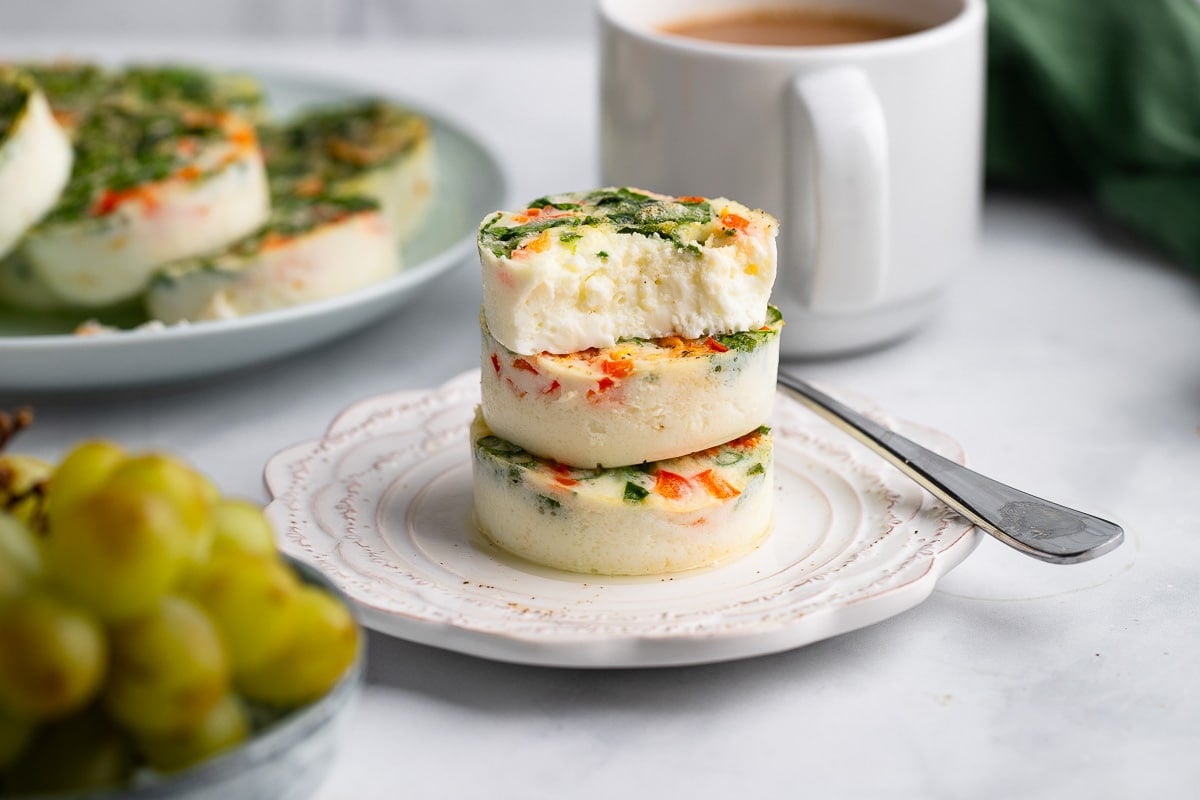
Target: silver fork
1032,525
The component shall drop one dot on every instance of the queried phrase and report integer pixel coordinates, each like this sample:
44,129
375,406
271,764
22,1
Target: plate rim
627,650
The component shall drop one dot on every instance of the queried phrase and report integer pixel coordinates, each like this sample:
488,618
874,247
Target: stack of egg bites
629,357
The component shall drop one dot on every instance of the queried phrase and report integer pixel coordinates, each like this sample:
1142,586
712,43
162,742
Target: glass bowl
288,759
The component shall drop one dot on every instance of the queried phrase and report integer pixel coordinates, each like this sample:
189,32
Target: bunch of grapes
143,618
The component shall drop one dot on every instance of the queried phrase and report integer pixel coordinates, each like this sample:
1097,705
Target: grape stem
10,426
14,423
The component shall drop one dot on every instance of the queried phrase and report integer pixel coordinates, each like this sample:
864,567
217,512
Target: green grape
20,479
191,492
20,473
241,525
53,657
118,550
82,472
15,734
20,558
323,648
168,669
224,726
252,599
84,751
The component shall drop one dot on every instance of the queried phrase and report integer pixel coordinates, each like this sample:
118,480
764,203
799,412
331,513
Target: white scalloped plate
382,505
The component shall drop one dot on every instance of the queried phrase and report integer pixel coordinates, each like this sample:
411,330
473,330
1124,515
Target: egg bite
370,148
587,269
148,187
638,400
35,157
311,249
659,517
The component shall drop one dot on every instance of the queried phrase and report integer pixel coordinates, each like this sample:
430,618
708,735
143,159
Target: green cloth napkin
1101,96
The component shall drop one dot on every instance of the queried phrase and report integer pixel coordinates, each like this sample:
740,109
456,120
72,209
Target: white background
335,19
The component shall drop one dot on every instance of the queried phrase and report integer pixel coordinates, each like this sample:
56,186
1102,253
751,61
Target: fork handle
1036,527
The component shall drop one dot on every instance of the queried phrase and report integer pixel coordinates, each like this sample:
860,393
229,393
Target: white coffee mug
868,153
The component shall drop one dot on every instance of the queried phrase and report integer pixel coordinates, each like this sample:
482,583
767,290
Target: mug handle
837,190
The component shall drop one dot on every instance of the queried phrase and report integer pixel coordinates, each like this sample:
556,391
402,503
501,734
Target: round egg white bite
639,400
149,187
586,269
668,516
311,250
35,157
372,148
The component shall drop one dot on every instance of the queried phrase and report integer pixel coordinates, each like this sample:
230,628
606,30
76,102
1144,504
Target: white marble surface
1064,360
